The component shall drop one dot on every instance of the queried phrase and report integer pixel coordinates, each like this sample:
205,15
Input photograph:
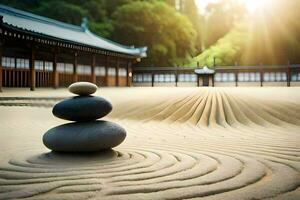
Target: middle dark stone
82,108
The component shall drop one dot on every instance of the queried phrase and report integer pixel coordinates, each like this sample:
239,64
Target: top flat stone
83,88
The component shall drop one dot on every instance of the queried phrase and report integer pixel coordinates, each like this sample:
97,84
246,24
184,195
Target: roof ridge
110,41
17,12
140,49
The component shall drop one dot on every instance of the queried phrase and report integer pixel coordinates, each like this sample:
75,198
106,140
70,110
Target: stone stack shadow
86,133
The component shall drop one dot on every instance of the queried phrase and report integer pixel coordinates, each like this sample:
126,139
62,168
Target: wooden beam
261,74
176,78
261,78
288,77
1,67
152,79
55,72
93,65
75,75
32,69
117,72
106,70
129,71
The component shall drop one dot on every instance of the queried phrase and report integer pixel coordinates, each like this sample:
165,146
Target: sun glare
253,5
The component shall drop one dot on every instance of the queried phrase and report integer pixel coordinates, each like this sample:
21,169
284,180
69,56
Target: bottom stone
84,136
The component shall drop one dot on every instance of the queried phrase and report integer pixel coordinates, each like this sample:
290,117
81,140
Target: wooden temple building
218,76
37,51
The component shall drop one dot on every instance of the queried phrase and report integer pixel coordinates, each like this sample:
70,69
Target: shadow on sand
62,158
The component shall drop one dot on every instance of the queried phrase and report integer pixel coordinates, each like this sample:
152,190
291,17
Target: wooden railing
15,77
44,78
101,81
65,79
148,76
82,77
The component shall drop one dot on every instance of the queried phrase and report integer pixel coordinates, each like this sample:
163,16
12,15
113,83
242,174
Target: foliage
60,10
69,11
225,31
168,34
191,11
220,18
268,36
226,51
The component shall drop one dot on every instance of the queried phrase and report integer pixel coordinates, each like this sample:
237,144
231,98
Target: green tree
63,11
69,11
191,11
112,5
168,34
227,50
220,19
23,5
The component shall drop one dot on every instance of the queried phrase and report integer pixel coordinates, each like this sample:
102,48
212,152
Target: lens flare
253,5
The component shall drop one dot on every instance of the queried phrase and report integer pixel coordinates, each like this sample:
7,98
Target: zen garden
150,99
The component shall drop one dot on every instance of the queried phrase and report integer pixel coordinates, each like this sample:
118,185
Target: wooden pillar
93,66
236,74
288,77
261,74
176,78
1,67
55,72
1,53
106,70
261,78
213,80
198,82
129,74
75,63
152,79
117,71
32,69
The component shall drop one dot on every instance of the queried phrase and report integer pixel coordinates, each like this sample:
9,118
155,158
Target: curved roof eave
63,31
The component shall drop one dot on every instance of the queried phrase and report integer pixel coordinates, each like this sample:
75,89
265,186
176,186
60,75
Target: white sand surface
182,143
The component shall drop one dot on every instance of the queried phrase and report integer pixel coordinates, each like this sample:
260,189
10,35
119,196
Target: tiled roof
204,70
63,31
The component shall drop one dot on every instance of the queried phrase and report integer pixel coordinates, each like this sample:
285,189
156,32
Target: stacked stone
86,134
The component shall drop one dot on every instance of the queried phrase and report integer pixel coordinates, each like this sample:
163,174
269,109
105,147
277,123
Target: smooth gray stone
84,136
82,108
83,88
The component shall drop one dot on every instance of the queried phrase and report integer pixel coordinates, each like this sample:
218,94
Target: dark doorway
205,81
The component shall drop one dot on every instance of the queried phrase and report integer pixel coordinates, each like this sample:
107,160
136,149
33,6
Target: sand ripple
213,107
151,173
209,144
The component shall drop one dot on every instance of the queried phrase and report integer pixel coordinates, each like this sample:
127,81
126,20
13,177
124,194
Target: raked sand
182,143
